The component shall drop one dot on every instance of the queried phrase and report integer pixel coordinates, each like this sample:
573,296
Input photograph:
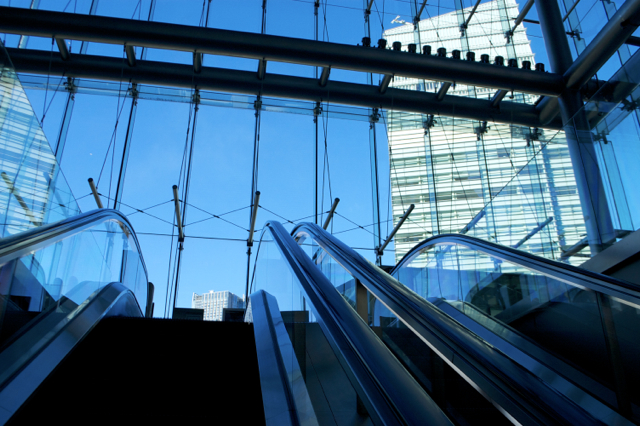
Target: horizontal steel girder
273,85
100,29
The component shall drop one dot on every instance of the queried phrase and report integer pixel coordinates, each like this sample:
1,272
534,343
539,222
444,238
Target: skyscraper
215,302
504,183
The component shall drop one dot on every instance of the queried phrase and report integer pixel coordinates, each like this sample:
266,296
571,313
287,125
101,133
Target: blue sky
213,259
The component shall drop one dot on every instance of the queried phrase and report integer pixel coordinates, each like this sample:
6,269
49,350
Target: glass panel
73,268
537,210
333,397
579,326
451,392
33,191
171,94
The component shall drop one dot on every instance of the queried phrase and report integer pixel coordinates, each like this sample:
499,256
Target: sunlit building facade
508,184
215,302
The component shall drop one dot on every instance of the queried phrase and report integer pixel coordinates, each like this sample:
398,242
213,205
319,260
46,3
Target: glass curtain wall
453,168
33,191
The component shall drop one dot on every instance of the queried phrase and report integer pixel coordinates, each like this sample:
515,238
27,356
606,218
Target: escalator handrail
509,383
17,245
391,395
622,290
30,358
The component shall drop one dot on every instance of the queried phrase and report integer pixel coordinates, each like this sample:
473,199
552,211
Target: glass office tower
508,184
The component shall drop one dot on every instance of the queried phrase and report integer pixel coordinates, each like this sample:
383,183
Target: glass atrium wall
508,184
33,191
504,183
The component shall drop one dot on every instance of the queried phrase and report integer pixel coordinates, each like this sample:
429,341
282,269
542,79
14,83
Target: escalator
80,344
461,332
488,330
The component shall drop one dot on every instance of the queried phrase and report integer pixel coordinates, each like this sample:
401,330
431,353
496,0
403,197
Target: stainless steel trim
391,395
284,393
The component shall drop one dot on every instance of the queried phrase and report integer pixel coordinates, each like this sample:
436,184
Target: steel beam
613,35
274,85
62,47
131,55
262,69
589,181
324,77
197,62
523,14
100,29
384,84
497,98
442,92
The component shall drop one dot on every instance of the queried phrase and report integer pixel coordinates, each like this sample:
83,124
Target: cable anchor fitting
375,116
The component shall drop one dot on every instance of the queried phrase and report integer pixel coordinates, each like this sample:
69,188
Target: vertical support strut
374,117
373,146
316,4
127,147
58,149
255,194
185,194
252,227
133,92
589,182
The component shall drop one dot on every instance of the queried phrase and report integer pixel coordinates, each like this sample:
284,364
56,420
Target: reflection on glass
33,191
69,269
590,331
459,400
333,397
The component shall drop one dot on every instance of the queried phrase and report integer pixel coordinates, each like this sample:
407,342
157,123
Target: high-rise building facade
508,184
215,302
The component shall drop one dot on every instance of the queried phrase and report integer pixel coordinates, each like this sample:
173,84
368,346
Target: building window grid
508,163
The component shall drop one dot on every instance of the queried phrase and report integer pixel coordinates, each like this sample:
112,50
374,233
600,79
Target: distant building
215,302
486,179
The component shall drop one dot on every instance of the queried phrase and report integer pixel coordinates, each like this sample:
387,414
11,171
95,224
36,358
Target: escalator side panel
29,359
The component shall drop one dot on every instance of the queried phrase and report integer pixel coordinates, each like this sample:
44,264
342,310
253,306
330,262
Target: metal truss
266,48
274,85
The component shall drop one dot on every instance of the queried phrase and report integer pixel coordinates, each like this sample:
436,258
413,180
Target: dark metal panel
28,361
275,85
100,29
284,393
